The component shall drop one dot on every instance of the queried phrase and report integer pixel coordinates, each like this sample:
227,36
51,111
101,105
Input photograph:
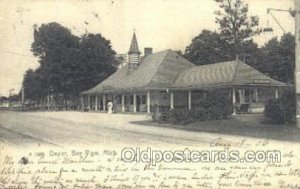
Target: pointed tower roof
134,48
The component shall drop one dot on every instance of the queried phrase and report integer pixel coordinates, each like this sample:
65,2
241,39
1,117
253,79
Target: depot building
165,80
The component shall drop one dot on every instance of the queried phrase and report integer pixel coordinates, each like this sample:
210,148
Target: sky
160,24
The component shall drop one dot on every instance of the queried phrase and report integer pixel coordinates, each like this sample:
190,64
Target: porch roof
223,74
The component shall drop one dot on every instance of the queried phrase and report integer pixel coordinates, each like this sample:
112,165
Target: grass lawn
250,125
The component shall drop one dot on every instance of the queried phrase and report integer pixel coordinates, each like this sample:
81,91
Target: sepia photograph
130,94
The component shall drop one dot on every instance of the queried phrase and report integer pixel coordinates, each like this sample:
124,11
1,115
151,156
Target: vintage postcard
123,94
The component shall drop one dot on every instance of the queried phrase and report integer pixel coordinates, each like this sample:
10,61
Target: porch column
134,102
96,102
148,102
243,95
104,102
250,100
171,101
233,101
276,93
256,94
123,103
190,100
89,102
82,102
240,91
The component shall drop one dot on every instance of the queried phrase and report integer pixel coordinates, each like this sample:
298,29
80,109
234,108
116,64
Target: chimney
147,51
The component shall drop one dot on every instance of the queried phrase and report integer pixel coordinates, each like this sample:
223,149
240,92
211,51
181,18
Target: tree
208,47
232,40
32,84
234,23
68,64
55,46
279,58
95,61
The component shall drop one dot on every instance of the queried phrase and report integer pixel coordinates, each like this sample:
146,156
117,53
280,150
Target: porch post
148,102
96,102
134,102
82,102
190,100
241,96
233,101
171,101
89,102
250,99
99,104
123,103
276,93
256,94
104,102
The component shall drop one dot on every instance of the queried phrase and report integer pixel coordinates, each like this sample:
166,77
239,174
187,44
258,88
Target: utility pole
9,98
295,13
23,97
297,58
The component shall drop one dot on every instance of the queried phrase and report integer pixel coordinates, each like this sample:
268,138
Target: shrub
273,111
282,110
216,105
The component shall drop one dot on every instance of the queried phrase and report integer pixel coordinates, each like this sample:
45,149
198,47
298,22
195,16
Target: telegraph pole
23,97
297,58
9,98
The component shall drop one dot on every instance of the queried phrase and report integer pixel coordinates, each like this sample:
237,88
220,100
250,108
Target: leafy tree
68,64
95,61
235,30
32,84
234,23
278,58
55,46
208,47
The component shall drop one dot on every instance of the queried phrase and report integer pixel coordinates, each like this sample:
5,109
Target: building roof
157,71
223,73
134,48
168,70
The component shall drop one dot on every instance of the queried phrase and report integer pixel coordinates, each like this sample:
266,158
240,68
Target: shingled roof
223,73
156,71
168,70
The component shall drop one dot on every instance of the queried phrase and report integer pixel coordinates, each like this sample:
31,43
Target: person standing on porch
110,107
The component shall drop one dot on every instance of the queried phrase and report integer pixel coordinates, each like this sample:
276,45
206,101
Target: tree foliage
235,24
276,58
68,64
208,47
32,84
279,58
